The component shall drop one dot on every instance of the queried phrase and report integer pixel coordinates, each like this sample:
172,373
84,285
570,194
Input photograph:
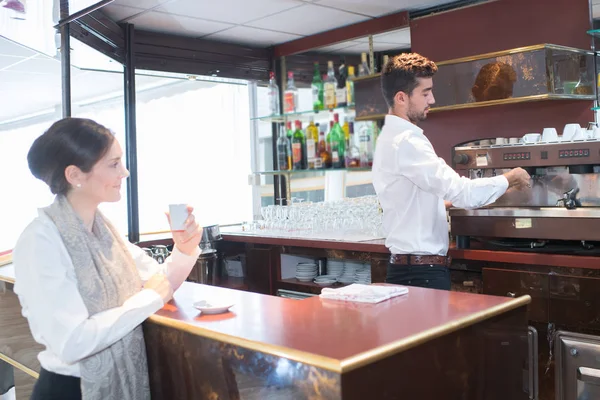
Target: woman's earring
78,185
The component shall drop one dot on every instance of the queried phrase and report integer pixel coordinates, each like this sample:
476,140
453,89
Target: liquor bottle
337,143
298,148
346,129
363,68
330,86
312,138
317,89
289,130
284,156
290,96
350,87
352,151
386,58
322,148
340,92
366,143
273,91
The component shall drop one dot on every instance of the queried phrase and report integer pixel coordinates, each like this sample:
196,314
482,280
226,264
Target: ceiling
259,23
24,71
266,22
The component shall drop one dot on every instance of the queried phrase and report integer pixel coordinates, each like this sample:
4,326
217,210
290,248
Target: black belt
412,259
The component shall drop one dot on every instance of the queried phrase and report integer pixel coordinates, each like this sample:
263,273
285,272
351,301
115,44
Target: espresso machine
560,212
206,269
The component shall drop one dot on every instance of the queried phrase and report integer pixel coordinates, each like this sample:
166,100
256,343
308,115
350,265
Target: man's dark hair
70,141
401,72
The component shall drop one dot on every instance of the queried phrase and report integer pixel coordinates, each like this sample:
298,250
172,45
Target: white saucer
212,308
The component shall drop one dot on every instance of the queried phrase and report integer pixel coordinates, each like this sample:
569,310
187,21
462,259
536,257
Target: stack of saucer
349,273
335,268
363,275
325,280
306,272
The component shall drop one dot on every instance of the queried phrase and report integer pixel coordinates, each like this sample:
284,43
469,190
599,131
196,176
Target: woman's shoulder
39,232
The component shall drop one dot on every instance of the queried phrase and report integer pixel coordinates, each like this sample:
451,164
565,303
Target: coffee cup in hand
178,213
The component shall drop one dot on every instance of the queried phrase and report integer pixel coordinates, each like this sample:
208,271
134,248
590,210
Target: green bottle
299,159
317,89
338,144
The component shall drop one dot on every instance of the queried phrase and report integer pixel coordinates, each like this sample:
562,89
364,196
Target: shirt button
409,281
426,280
431,265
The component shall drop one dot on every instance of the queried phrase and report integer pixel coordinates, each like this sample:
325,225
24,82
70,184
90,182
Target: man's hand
518,178
448,204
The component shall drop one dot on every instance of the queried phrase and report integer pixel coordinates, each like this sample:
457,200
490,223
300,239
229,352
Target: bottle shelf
310,172
304,116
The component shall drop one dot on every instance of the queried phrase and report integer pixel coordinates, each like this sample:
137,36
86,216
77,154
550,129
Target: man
414,185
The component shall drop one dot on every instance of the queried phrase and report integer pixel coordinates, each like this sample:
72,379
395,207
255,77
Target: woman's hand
187,240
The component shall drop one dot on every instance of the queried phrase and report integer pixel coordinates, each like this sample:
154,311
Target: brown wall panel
494,26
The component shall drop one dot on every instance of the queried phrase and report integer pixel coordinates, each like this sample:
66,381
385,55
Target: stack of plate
306,272
349,273
335,268
363,276
325,280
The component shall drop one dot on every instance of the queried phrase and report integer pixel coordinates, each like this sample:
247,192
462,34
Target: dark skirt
51,386
7,377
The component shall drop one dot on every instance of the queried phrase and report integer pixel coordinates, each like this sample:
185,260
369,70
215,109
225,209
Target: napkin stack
363,293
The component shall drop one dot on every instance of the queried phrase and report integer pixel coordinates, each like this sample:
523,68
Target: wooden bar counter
428,344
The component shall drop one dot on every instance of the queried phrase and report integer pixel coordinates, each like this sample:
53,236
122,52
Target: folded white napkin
363,293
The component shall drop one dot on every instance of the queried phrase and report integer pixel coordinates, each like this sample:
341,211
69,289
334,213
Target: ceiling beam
70,18
361,29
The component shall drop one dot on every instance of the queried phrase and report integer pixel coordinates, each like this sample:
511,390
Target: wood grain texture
16,341
23,385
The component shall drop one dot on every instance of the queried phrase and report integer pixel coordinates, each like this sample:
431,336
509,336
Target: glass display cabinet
533,73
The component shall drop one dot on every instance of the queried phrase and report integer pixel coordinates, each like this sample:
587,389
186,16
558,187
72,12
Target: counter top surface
7,273
331,334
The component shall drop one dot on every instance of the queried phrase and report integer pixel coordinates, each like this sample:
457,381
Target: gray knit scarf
106,277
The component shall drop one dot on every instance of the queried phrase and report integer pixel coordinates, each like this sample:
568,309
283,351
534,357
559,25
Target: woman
84,290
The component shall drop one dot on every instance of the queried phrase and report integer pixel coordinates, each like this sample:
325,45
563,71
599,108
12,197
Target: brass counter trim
513,100
327,363
354,362
371,356
507,52
489,103
19,366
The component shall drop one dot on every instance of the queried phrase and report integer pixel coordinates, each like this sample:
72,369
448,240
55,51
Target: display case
313,183
540,72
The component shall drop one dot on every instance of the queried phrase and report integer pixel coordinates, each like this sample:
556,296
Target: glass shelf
312,171
303,115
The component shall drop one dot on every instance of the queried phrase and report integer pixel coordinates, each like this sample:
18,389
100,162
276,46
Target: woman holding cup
84,290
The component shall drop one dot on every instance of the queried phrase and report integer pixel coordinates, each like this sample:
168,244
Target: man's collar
396,121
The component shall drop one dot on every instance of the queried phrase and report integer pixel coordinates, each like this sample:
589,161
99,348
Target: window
193,141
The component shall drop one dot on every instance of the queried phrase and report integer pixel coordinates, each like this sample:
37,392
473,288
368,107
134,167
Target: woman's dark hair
401,72
70,141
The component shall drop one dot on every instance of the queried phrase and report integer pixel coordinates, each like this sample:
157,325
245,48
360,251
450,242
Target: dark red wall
501,25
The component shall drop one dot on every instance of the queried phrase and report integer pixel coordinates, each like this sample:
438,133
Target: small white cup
500,140
549,135
178,214
581,134
531,138
513,140
569,131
